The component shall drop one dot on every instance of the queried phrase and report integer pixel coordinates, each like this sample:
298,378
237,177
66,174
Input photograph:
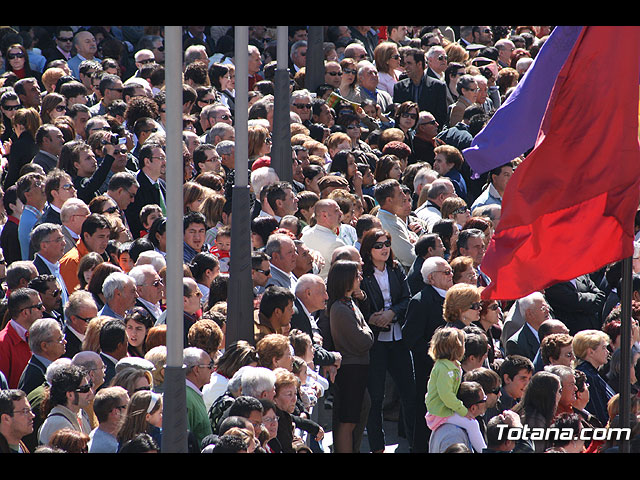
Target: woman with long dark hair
538,405
387,294
352,339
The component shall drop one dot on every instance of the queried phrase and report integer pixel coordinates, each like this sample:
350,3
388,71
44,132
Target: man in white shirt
322,237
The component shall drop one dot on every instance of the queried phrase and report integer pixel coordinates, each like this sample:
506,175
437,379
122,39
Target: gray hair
300,94
527,302
439,187
139,272
192,356
41,232
56,365
70,208
235,383
431,265
257,380
152,258
115,281
225,147
262,177
422,177
42,330
562,371
87,359
274,243
218,129
306,281
297,46
77,300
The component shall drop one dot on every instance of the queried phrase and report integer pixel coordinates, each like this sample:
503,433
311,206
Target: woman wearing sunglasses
16,60
462,305
387,60
387,298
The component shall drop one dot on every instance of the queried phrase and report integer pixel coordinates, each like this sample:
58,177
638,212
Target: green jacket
442,388
197,416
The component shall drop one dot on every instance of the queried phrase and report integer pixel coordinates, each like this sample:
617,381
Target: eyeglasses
22,411
476,306
273,419
12,56
432,122
9,108
380,245
396,57
146,61
85,320
209,365
266,273
441,57
444,272
333,74
495,391
494,307
145,388
350,71
56,292
302,105
409,115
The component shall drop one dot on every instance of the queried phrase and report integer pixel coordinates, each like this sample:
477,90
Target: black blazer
433,96
32,376
22,152
300,321
579,307
399,294
49,216
41,266
74,344
424,316
10,242
110,372
146,195
524,343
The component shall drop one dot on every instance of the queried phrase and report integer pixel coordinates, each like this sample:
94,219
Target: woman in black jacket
25,125
387,293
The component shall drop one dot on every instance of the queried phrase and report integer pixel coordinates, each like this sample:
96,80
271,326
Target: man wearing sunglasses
436,62
24,308
63,45
71,392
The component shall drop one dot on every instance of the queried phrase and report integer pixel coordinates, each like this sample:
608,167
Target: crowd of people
366,257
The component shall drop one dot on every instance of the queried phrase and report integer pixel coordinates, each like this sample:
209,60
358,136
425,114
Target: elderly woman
463,271
591,348
467,90
462,305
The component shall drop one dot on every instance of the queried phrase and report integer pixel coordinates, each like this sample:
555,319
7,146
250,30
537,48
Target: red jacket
14,355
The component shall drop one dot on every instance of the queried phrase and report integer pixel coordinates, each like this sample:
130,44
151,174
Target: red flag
568,209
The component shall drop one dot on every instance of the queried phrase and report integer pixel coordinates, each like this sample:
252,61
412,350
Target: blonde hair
588,339
447,343
458,299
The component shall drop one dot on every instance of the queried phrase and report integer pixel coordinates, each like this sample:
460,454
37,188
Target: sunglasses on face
380,245
349,70
84,388
9,108
302,105
12,56
333,74
476,306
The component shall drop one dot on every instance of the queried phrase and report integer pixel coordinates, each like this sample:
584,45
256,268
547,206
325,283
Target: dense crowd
366,257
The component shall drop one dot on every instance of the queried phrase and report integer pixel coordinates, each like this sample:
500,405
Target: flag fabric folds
514,127
569,207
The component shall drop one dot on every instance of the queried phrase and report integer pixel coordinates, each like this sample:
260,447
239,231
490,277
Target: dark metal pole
625,347
240,301
314,70
281,134
174,426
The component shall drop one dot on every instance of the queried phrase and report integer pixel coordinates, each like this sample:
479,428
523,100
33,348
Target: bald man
323,236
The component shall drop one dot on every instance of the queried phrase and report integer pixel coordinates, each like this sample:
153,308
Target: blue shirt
28,219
